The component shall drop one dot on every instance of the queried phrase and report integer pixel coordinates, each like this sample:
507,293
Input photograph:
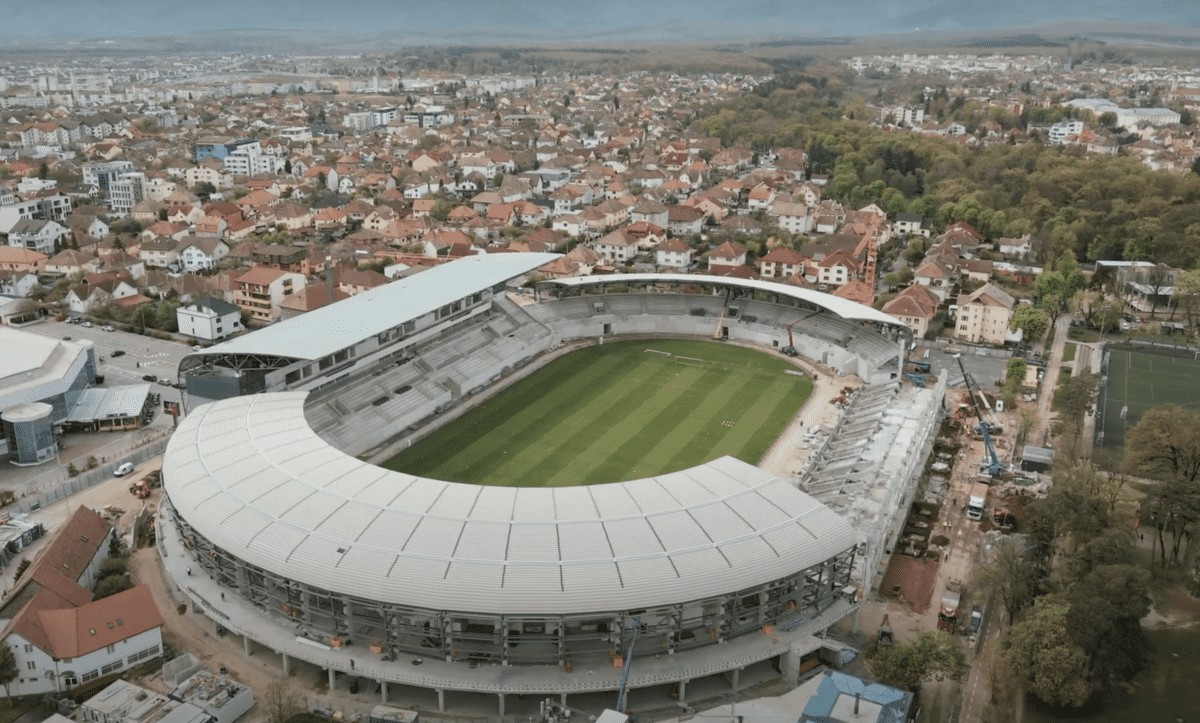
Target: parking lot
143,355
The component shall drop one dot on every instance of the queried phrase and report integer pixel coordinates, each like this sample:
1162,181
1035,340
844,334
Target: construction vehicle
921,367
948,611
1003,519
991,466
790,349
918,380
977,500
722,332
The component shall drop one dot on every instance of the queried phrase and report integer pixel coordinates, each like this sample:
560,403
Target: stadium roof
251,476
323,331
842,307
96,404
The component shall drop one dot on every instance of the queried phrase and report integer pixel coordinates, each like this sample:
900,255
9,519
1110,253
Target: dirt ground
910,582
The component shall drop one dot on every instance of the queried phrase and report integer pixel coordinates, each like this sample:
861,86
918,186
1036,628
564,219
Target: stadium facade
277,531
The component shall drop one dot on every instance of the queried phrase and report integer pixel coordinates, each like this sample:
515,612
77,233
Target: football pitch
615,412
1139,380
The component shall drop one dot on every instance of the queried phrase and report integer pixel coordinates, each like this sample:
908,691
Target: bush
111,586
92,463
113,566
7,497
22,566
71,470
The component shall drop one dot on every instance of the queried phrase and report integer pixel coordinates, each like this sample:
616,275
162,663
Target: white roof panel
288,502
332,328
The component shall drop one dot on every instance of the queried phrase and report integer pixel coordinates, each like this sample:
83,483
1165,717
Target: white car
123,469
106,327
87,325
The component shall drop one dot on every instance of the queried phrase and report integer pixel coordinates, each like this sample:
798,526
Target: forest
1094,206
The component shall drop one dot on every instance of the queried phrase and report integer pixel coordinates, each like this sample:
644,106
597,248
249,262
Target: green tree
22,566
1052,294
111,586
8,670
1014,379
1105,619
1165,445
1032,321
1186,295
204,190
907,665
1008,575
113,566
1040,650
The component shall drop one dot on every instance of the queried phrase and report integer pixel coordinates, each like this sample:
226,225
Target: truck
948,611
976,501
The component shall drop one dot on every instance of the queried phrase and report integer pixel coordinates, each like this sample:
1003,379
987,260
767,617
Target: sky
612,20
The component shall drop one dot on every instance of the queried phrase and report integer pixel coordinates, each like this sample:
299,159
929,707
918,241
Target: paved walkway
1041,430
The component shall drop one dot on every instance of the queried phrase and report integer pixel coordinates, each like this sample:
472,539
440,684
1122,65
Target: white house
209,319
673,254
201,252
793,217
616,247
37,235
59,634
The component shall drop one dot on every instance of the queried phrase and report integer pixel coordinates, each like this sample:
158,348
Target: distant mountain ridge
541,20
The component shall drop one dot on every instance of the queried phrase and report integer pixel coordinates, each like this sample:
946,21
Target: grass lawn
1068,352
1139,380
617,412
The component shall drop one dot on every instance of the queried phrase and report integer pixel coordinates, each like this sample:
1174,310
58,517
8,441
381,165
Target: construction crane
722,333
637,624
790,349
993,467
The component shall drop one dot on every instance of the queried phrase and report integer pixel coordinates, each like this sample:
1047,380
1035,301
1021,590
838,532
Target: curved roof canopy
331,328
253,478
842,307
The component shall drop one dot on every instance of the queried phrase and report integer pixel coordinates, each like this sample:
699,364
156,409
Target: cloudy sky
614,20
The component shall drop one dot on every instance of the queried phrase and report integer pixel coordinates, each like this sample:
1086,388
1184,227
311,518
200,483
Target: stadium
694,579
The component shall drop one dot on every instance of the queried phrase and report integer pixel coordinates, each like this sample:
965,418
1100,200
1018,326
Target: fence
61,485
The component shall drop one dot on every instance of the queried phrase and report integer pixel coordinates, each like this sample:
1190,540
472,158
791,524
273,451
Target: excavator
790,349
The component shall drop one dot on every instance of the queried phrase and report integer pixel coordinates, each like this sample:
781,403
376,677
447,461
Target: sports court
615,412
1139,379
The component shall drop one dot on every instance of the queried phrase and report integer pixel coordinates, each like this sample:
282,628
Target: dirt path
1041,431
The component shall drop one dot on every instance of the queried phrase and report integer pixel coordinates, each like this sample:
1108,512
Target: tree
1105,619
1187,294
8,670
1032,321
1007,575
1041,651
1165,445
22,566
1014,379
204,190
113,566
279,702
1052,293
111,586
907,665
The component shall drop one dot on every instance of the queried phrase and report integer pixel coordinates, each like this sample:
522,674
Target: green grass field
1139,380
616,412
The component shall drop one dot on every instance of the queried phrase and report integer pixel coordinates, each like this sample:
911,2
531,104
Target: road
155,356
1041,430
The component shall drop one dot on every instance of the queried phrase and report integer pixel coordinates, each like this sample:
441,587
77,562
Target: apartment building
100,174
261,290
984,316
126,191
209,319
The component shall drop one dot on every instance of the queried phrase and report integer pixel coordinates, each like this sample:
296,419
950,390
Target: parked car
123,469
66,338
196,347
118,352
106,327
87,325
150,378
165,382
976,619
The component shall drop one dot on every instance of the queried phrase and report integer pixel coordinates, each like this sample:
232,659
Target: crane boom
993,466
637,624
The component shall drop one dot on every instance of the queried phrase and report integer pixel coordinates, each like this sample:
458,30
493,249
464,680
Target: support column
287,664
501,697
562,700
683,693
247,646
333,679
737,674
383,692
441,700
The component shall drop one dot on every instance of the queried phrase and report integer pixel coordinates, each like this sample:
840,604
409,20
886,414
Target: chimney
857,697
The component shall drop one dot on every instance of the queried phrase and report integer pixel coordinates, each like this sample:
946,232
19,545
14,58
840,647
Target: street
155,356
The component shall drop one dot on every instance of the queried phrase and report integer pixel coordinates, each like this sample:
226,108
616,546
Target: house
13,258
616,247
312,296
62,637
124,702
915,306
760,197
1016,247
159,252
261,290
96,290
793,217
673,254
65,263
976,269
837,268
208,318
983,316
727,254
198,253
17,284
651,212
912,224
936,275
37,235
781,262
684,220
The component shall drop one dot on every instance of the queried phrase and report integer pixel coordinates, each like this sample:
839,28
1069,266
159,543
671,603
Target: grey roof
218,306
842,307
835,698
1041,455
94,404
332,328
253,478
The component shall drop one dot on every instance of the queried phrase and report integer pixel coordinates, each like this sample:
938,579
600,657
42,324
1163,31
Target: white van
123,469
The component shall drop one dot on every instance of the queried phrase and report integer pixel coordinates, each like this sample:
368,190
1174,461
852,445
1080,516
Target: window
28,648
110,649
31,665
